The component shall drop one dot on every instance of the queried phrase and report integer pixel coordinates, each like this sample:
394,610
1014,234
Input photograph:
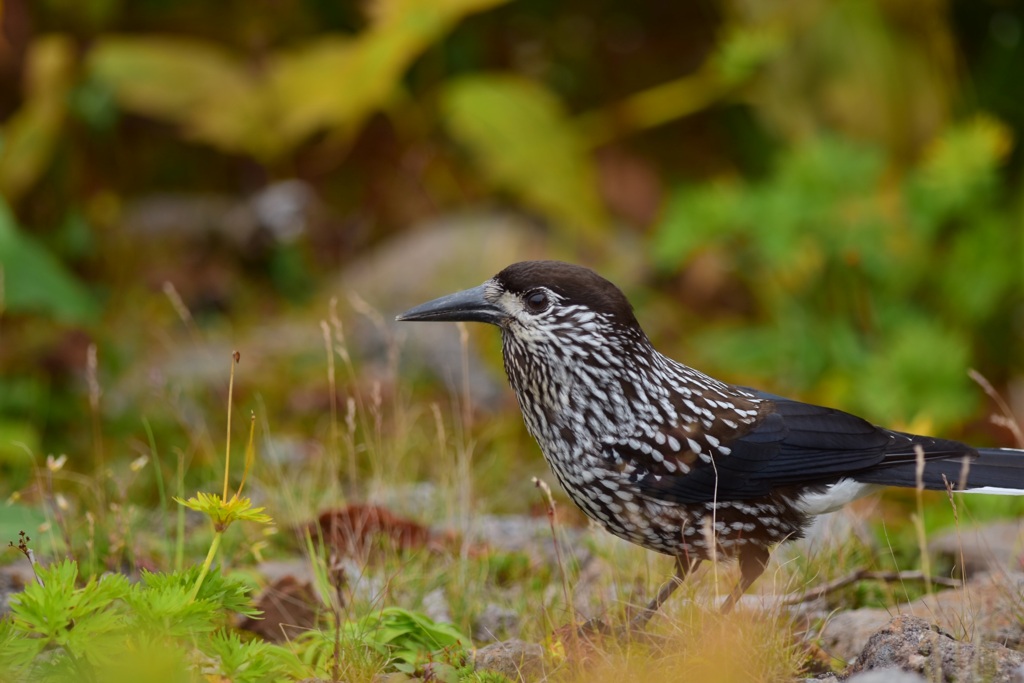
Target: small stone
886,676
395,677
435,606
994,547
515,659
439,672
846,633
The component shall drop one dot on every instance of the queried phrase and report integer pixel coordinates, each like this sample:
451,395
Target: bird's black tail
994,470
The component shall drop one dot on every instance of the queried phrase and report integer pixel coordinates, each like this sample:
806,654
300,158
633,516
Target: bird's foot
638,623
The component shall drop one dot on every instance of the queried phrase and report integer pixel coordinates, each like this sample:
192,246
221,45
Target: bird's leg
683,567
753,561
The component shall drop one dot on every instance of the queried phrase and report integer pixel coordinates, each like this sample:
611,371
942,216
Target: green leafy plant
852,267
68,618
248,661
221,510
58,628
403,640
407,638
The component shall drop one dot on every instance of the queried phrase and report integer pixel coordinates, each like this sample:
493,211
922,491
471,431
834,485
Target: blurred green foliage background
822,198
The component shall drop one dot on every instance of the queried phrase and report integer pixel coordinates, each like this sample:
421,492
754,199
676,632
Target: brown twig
868,575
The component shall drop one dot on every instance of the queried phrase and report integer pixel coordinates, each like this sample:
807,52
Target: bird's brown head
533,295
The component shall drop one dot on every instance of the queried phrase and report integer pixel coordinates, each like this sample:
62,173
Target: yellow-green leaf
30,135
200,86
322,85
336,82
966,151
521,138
165,77
224,512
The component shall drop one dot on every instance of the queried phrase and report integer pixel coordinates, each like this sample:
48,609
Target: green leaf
919,371
223,513
744,49
34,281
18,651
192,83
981,251
227,593
250,661
66,615
168,611
31,134
959,170
694,218
364,72
407,638
520,137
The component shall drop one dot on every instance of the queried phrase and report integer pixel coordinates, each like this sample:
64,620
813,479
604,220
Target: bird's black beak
469,305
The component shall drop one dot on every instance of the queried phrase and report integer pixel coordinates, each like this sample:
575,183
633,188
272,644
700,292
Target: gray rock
13,579
845,634
435,606
986,609
530,535
515,659
282,210
886,676
912,644
997,546
496,622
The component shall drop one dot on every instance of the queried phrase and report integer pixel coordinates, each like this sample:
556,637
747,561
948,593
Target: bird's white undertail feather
835,496
995,491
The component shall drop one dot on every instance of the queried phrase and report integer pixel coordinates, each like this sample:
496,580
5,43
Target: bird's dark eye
537,301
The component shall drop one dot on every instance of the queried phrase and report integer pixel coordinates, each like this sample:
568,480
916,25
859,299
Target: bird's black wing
789,443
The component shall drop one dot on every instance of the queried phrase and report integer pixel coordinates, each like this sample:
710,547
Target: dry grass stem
918,518
1007,419
543,486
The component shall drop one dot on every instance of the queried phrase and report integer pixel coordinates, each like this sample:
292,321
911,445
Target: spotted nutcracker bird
664,456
